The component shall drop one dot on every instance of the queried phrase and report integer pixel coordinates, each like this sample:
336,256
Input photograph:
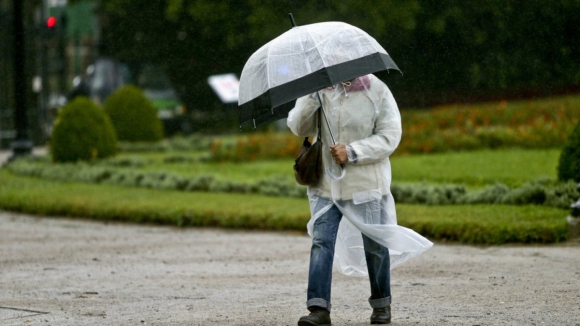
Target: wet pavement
62,271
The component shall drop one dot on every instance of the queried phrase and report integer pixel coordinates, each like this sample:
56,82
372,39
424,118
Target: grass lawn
111,202
483,224
474,168
238,171
512,167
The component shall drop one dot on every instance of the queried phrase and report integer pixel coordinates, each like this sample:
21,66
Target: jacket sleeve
302,118
386,133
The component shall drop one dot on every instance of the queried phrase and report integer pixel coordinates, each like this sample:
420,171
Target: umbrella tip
292,19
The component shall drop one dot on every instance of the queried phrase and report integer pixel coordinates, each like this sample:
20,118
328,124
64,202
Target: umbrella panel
275,103
302,51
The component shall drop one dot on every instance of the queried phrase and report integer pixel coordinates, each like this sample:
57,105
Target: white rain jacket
365,117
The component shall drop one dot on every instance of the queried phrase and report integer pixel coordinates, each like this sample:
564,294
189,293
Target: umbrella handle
334,177
328,171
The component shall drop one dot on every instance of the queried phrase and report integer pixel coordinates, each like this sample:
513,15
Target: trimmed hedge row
108,171
193,142
539,192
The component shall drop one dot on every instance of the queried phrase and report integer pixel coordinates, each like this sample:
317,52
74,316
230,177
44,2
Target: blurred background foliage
451,51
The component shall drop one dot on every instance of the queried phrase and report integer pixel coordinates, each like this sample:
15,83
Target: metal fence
36,126
7,132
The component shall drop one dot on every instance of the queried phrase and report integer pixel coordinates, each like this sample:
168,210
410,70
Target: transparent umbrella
302,61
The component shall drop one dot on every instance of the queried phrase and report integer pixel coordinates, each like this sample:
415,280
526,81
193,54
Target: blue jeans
321,260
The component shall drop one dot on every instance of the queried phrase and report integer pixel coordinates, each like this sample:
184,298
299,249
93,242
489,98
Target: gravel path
6,154
74,272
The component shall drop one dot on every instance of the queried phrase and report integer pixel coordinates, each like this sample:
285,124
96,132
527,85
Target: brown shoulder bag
308,164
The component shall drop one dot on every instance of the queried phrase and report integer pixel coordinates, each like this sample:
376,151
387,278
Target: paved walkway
57,271
6,154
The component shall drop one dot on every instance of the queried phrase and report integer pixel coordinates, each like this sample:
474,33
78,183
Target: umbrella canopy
304,60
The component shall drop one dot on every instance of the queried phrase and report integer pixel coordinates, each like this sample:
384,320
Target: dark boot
317,317
381,315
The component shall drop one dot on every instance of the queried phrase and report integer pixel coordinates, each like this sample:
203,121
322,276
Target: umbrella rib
304,53
268,65
316,46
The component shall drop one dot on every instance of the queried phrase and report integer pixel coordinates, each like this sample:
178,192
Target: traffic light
56,24
51,22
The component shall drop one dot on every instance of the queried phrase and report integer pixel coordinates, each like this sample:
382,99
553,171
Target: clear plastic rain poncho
364,116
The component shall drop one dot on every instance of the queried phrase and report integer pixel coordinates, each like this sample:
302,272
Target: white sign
226,87
37,84
56,3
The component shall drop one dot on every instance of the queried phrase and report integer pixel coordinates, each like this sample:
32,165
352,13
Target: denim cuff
318,302
380,303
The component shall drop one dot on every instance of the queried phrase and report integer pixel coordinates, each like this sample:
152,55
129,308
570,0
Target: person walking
355,210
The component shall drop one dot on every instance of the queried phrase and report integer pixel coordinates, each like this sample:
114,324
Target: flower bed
544,123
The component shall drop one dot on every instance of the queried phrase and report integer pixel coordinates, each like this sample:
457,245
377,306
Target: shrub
82,132
194,142
542,123
123,162
562,195
569,165
529,193
134,117
491,194
547,192
269,145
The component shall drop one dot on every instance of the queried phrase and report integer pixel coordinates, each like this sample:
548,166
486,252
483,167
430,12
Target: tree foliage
448,50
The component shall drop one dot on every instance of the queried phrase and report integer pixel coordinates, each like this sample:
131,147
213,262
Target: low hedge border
539,192
474,224
195,142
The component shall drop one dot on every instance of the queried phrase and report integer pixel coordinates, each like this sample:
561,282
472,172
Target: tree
454,50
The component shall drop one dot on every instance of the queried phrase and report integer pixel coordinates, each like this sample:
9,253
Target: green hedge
133,115
569,164
195,142
540,192
108,171
82,131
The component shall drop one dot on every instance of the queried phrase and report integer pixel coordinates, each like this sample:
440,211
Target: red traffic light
51,22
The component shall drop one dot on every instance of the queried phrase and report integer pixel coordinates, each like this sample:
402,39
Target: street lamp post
22,144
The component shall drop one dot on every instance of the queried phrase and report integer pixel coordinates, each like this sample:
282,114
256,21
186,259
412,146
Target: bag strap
317,125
